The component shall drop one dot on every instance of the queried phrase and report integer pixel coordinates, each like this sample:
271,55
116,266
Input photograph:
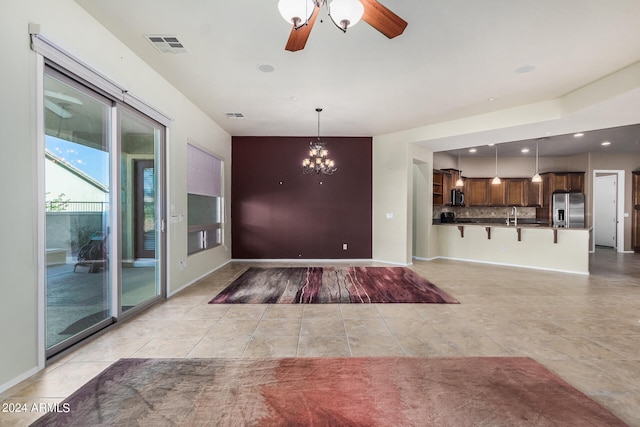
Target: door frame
620,174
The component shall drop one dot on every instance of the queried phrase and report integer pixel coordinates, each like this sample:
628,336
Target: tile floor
584,328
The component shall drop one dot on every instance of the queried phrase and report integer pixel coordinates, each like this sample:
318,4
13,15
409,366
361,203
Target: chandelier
343,13
318,162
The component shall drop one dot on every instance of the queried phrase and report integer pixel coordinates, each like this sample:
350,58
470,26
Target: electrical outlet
344,246
183,264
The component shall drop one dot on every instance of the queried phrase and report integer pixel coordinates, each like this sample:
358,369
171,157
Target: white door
605,213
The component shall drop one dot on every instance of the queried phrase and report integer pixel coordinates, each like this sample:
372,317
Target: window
204,200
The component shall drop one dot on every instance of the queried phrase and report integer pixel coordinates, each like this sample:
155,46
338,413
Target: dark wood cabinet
438,188
476,191
514,191
558,181
495,193
533,193
442,185
635,212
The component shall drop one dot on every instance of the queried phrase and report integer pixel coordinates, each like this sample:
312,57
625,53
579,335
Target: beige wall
70,27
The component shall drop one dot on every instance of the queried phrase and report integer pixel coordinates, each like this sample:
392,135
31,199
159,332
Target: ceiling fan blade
298,37
382,19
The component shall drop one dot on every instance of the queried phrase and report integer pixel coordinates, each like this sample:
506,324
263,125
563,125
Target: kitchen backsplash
483,212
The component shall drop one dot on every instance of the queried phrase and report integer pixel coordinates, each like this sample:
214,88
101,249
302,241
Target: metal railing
69,206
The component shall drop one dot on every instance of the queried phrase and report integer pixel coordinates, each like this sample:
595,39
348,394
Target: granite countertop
489,222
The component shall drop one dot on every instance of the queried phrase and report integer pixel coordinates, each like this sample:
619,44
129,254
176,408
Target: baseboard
515,265
320,261
17,380
424,259
186,285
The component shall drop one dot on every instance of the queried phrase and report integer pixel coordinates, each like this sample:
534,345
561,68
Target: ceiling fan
344,14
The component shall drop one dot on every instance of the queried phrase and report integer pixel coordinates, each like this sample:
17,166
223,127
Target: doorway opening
608,210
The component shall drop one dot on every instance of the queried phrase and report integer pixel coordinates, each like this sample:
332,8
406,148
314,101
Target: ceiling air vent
167,44
234,116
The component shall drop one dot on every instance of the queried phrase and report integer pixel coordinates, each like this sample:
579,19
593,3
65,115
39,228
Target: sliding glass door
141,142
104,192
78,210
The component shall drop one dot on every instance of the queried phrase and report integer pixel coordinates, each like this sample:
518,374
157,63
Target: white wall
70,27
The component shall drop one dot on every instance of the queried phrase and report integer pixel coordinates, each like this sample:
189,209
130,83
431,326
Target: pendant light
459,182
536,177
496,180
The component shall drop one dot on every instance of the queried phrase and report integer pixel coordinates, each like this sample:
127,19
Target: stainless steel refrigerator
568,210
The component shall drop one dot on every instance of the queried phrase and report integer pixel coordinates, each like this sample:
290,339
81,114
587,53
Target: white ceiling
453,57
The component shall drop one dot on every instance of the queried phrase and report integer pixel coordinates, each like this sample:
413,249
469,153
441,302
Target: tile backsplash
483,212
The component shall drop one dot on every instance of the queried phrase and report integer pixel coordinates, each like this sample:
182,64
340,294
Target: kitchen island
534,245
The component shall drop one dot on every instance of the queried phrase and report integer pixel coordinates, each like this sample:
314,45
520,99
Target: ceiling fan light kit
344,14
296,12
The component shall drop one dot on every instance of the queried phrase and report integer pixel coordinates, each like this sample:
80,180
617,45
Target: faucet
515,215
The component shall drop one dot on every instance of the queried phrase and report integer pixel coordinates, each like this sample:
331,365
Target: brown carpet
329,392
321,285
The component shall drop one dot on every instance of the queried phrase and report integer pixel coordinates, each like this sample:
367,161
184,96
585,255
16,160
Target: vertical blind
204,173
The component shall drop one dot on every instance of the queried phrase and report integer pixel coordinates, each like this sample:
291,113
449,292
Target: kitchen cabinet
635,213
442,184
495,193
558,181
438,188
514,191
533,193
476,191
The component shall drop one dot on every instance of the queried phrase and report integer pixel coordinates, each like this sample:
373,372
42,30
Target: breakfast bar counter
531,245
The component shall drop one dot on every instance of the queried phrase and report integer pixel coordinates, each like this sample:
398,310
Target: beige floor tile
375,346
229,327
167,347
245,311
223,346
359,311
323,346
272,346
317,326
366,327
280,311
278,327
61,381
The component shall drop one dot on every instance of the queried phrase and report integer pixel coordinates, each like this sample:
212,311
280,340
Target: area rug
329,392
318,285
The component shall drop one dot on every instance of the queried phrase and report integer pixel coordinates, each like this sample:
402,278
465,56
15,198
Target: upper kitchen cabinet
514,191
442,184
438,188
533,193
564,181
496,193
475,191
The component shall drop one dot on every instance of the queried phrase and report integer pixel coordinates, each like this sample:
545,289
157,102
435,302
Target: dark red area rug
329,392
318,285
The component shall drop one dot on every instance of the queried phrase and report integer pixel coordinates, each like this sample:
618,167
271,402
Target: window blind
204,173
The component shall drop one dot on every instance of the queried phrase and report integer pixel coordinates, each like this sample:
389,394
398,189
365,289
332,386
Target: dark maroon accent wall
279,213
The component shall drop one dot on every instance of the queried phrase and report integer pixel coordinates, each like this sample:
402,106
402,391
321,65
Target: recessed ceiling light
491,98
525,69
266,68
578,135
491,145
472,150
605,143
524,150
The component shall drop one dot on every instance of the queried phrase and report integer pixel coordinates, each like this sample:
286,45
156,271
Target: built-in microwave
457,198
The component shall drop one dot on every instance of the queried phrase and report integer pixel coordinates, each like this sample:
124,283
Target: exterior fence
69,206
